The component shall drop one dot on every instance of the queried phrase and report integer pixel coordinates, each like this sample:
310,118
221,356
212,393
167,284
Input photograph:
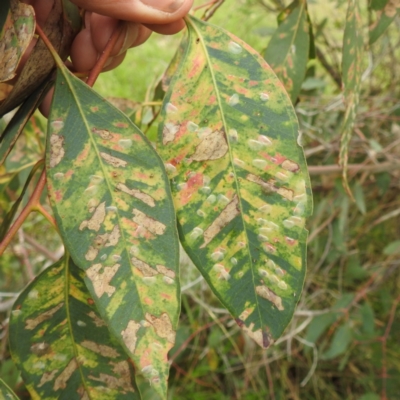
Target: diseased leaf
15,127
353,49
4,12
16,35
6,393
239,178
112,202
287,52
62,346
61,31
385,16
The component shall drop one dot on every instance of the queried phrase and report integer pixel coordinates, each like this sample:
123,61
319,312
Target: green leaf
15,127
287,52
340,342
353,48
6,393
112,202
239,178
60,343
385,16
360,198
392,248
15,37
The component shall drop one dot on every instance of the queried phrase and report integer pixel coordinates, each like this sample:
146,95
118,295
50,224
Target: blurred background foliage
343,342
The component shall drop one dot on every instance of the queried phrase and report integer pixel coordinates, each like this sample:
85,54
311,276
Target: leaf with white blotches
239,179
61,344
288,50
112,202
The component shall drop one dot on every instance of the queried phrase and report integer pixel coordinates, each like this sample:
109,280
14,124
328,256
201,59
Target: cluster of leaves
227,163
350,333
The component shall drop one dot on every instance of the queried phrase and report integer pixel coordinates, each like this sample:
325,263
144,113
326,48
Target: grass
343,340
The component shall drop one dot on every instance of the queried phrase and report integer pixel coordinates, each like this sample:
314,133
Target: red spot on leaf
121,125
58,195
166,296
253,83
148,301
194,183
90,301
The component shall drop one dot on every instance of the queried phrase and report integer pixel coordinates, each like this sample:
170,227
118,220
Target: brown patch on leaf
166,271
96,319
129,335
114,236
100,349
114,161
162,326
227,215
34,322
47,377
266,293
62,379
138,194
40,349
169,132
97,219
101,282
57,151
291,166
103,133
213,146
149,223
122,380
91,253
269,186
144,268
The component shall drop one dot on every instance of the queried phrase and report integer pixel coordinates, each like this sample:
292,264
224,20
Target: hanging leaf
60,29
62,346
287,52
6,393
353,48
16,35
16,126
111,199
239,178
385,16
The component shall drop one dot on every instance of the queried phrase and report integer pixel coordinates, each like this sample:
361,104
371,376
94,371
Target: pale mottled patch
129,335
213,146
96,319
169,132
101,349
143,267
47,377
101,281
91,253
266,293
57,151
138,194
149,223
162,326
97,219
114,161
227,215
32,323
62,379
166,271
103,133
291,166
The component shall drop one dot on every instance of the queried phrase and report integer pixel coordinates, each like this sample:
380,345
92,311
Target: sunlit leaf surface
353,48
62,346
112,202
238,177
287,52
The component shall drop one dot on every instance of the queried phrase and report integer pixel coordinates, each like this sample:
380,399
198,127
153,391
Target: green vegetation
343,340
